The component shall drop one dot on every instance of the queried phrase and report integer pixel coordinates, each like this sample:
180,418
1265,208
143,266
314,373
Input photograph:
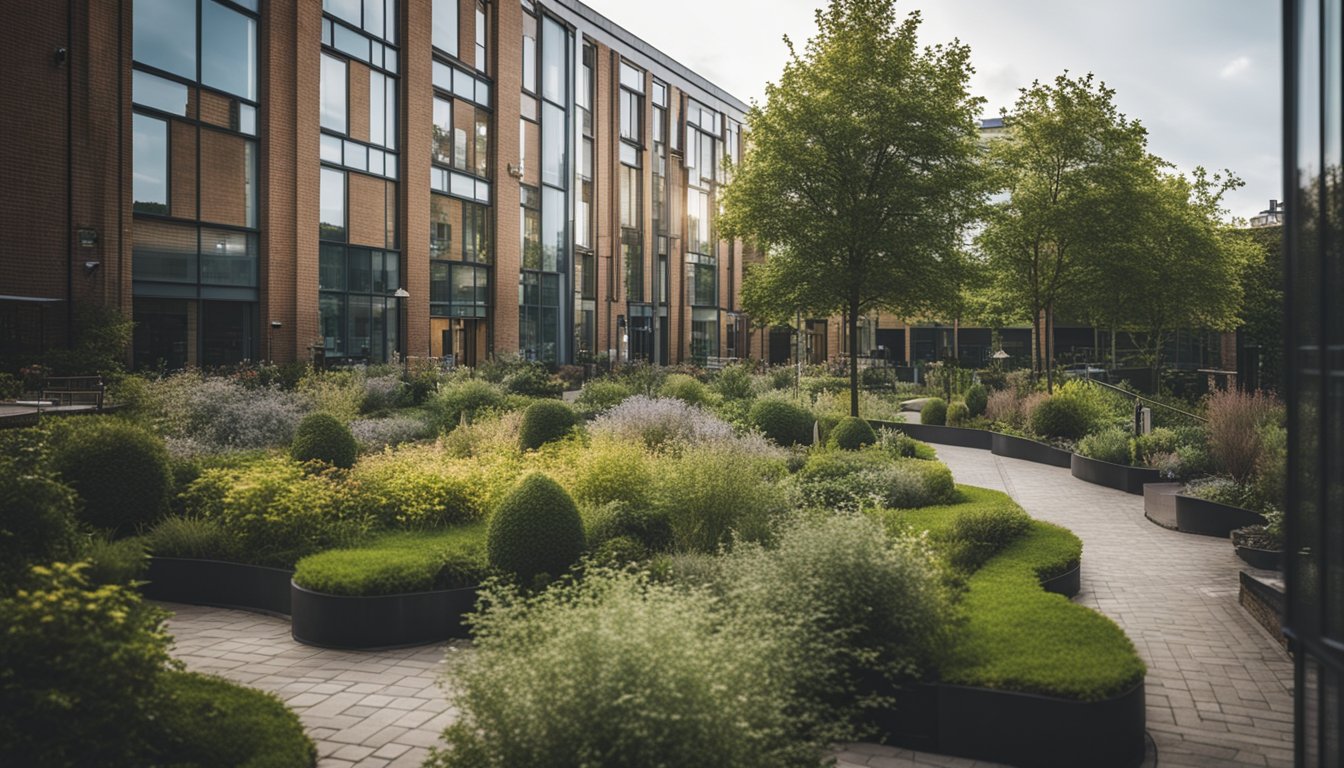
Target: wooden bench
73,390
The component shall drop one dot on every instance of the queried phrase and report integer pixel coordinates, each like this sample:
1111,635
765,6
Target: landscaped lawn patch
398,563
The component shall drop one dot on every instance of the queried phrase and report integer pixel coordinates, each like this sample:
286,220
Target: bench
73,390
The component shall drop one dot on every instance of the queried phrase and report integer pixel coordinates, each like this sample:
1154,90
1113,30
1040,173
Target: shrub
780,377
376,434
470,397
223,414
899,445
339,393
852,433
601,395
79,670
190,537
209,722
399,563
1235,421
977,400
848,481
660,422
545,421
685,388
274,511
1111,444
957,415
536,531
648,528
115,562
617,670
734,382
383,393
1004,407
977,534
781,420
413,488
816,385
853,606
711,491
119,470
933,412
38,524
1271,467
613,471
532,380
1223,490
1159,442
1068,418
320,437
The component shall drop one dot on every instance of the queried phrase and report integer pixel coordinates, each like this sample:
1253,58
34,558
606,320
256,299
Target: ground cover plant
401,562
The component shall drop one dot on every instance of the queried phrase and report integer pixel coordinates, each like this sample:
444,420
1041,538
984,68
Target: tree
1068,171
1262,308
1183,267
859,175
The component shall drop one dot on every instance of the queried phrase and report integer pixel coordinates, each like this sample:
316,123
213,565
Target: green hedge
545,421
783,421
399,563
934,412
119,470
209,722
536,531
322,437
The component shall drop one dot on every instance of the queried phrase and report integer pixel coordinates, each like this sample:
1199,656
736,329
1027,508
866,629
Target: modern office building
351,179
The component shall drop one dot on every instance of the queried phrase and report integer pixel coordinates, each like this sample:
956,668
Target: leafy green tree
860,174
1262,303
1067,172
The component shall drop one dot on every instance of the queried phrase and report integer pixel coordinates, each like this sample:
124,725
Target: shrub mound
934,412
470,398
783,421
649,529
685,388
601,395
1061,417
209,722
190,537
957,415
399,563
119,470
38,524
855,479
852,433
977,399
536,531
322,437
1112,445
545,421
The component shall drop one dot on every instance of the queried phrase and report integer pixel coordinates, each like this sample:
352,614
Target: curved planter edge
1159,503
380,621
1068,583
1118,476
219,583
962,437
1210,518
1015,447
1022,729
1264,559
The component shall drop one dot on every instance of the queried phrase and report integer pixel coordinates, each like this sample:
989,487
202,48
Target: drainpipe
69,176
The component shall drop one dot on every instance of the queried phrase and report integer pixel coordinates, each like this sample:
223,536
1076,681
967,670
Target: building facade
356,179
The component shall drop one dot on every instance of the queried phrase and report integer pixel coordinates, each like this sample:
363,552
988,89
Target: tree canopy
860,174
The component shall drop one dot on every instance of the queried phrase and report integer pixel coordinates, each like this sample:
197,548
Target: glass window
390,30
247,119
529,53
475,233
347,10
632,249
333,90
630,203
382,110
553,221
228,50
164,252
360,272
330,149
351,42
332,207
552,144
156,92
482,149
373,17
333,319
630,116
164,36
531,228
149,154
228,257
331,268
440,227
442,142
553,42
480,37
632,78
584,98
445,26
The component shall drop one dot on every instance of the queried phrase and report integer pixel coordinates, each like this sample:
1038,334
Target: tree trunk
1049,343
853,322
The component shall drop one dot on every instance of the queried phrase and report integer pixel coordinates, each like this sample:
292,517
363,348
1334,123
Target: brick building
253,179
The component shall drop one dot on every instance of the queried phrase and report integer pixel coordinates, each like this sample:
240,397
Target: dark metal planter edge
1210,518
379,621
962,437
1067,583
219,583
1118,476
1025,448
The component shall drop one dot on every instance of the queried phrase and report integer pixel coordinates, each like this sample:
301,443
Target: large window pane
442,142
228,257
630,203
445,26
377,108
482,166
164,35
228,50
347,10
552,145
149,152
441,226
529,53
334,323
333,93
331,268
553,220
156,92
553,42
164,252
480,37
332,206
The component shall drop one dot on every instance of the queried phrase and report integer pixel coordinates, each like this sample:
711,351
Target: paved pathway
1218,686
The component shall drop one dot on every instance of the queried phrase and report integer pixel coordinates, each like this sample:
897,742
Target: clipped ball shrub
322,437
38,524
209,722
957,414
536,531
1062,417
934,412
119,470
545,421
601,395
469,398
852,433
782,421
977,399
685,388
1112,445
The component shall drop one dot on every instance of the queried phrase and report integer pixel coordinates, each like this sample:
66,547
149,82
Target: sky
1203,76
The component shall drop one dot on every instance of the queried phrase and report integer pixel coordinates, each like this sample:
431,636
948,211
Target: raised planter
1209,518
1019,729
1028,450
214,582
384,621
1159,503
1262,597
1067,583
1264,559
1118,476
933,433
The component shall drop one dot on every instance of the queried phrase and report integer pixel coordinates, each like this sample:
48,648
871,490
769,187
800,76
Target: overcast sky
1202,75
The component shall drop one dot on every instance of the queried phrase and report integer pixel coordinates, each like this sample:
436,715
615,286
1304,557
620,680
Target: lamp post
402,294
270,341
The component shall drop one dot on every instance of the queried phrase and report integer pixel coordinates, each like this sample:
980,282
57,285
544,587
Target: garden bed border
219,583
1211,518
1121,477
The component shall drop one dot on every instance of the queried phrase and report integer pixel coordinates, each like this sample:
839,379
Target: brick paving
1218,687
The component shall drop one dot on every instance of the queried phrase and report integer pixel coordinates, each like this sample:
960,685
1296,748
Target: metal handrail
1138,397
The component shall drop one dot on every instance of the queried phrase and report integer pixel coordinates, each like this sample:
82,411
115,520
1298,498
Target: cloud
1235,67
